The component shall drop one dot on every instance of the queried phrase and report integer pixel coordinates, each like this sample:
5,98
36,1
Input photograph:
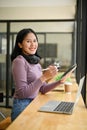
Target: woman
27,72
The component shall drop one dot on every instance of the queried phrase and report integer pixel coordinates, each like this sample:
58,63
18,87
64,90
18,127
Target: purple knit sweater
27,79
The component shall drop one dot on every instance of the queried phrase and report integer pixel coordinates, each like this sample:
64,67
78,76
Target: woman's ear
19,44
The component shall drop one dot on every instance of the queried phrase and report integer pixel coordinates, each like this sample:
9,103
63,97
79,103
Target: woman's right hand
49,73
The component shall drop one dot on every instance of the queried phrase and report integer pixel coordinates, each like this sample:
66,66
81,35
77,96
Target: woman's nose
32,43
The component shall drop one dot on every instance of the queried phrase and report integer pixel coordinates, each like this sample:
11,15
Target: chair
6,120
5,123
2,115
1,100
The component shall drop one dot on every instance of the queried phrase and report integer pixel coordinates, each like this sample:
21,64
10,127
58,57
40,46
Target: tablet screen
71,69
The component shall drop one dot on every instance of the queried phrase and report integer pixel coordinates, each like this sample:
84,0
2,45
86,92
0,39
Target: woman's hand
49,73
65,77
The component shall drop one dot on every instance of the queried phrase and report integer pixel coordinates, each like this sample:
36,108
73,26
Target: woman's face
29,45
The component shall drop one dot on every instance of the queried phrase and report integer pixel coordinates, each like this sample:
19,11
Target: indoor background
58,26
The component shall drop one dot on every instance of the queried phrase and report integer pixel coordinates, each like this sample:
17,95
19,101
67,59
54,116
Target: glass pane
12,42
55,40
55,44
44,26
3,60
59,48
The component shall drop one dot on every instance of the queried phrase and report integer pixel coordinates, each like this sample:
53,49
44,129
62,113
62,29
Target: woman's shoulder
19,59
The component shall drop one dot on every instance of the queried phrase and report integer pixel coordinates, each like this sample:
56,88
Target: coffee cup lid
67,83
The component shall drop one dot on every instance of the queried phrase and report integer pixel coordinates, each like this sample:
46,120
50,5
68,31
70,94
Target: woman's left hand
65,77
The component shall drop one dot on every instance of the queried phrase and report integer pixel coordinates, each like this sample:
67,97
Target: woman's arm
49,86
23,89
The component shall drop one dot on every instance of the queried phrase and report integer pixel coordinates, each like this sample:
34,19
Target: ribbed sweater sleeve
48,87
23,87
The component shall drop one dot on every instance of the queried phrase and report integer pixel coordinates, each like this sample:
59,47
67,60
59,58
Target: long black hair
20,37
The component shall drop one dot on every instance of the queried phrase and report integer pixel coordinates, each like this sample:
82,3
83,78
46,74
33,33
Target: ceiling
33,3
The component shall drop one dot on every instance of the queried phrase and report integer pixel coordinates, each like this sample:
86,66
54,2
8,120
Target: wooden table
32,119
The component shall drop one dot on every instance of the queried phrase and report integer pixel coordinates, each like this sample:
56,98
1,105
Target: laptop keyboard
64,106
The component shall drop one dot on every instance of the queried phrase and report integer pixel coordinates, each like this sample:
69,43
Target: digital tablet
71,69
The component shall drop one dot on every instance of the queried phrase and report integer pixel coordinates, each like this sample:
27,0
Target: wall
14,13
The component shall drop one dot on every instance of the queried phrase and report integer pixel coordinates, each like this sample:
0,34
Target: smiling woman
27,72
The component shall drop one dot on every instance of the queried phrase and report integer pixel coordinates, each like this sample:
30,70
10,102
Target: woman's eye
35,40
31,41
28,41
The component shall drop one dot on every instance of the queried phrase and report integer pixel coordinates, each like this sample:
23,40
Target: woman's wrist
43,78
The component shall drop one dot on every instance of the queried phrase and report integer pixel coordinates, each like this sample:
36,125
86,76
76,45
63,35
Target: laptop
63,106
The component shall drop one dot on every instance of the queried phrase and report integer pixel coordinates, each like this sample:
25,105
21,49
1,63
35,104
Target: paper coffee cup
68,87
